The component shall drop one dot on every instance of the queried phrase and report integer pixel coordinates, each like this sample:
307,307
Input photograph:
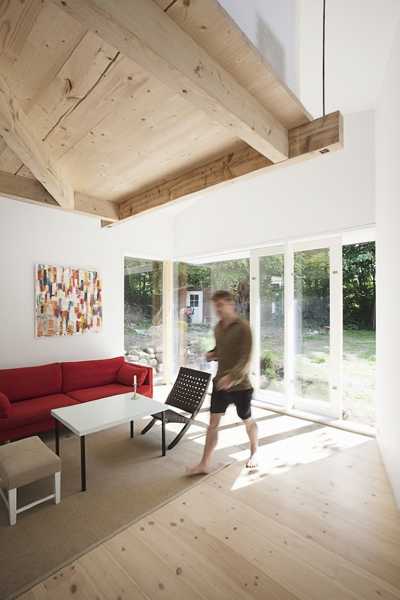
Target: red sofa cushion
34,410
5,406
94,393
90,373
30,382
127,372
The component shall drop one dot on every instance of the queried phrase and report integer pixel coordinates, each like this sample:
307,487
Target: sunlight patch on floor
279,457
232,432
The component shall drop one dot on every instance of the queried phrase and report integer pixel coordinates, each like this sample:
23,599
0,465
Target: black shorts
220,400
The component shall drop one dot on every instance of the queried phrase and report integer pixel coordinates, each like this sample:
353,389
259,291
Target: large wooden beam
20,136
97,207
142,31
31,191
321,136
24,189
214,172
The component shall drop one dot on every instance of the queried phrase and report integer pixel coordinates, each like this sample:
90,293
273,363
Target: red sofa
27,395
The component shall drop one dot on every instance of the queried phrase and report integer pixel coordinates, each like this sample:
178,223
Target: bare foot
198,470
252,463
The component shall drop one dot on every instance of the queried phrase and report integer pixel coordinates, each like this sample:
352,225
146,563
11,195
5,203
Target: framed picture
68,301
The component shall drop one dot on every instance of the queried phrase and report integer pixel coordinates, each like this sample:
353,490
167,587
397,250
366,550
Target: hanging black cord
323,56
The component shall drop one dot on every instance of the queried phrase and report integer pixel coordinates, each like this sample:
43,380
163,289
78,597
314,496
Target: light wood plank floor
317,521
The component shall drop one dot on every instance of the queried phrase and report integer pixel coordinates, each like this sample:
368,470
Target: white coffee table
97,415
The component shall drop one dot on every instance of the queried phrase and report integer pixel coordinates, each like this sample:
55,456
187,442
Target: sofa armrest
149,378
148,382
5,406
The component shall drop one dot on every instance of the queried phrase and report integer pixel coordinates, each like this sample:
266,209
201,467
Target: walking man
231,383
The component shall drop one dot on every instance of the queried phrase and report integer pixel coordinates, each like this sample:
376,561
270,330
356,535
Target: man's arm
212,355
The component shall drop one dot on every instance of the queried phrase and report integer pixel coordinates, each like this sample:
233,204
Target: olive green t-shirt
233,353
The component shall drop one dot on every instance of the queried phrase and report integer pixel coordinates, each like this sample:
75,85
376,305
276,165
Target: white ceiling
359,39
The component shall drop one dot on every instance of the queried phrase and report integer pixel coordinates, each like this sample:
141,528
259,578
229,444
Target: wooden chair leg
148,426
12,505
179,436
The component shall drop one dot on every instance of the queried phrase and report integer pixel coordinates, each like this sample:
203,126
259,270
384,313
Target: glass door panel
317,327
359,343
272,323
194,285
312,324
143,314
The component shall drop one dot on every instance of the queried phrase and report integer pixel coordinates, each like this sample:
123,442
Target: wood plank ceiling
113,109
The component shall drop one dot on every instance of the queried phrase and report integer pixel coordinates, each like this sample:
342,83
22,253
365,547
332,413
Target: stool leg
12,505
57,487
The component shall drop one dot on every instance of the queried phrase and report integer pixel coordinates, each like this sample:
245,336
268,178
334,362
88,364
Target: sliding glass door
297,321
294,296
317,327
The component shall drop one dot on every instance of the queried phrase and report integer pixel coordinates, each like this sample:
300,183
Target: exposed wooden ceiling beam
97,207
321,136
31,191
19,134
24,189
142,31
214,172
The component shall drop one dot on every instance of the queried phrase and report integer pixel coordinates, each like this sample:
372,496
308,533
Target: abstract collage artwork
68,301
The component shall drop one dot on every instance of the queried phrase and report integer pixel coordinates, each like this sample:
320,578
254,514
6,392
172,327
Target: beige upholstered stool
23,462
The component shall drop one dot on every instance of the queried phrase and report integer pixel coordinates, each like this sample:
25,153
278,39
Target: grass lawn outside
312,370
359,356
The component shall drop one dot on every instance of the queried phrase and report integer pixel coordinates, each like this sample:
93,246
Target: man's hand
210,356
225,383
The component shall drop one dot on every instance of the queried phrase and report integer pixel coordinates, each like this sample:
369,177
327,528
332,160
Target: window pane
359,332
272,322
194,316
312,318
143,313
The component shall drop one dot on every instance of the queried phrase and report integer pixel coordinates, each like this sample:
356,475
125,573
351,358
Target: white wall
359,36
273,28
388,269
330,193
31,234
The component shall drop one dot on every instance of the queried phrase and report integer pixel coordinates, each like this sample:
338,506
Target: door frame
281,399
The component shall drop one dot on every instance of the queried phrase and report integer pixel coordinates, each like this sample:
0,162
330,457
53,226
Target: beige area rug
126,479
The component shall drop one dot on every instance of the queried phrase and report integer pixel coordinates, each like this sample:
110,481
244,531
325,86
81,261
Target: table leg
83,463
132,429
164,450
57,434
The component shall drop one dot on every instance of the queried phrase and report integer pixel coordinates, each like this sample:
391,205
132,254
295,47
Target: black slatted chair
187,394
